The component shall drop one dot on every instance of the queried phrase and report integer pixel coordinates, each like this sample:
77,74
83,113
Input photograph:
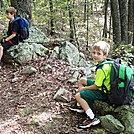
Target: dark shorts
6,45
91,95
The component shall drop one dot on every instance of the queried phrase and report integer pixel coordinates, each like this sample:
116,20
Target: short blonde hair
103,46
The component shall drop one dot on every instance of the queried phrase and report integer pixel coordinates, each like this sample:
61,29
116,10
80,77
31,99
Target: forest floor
27,105
31,96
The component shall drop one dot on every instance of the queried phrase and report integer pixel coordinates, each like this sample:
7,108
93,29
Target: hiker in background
12,33
90,90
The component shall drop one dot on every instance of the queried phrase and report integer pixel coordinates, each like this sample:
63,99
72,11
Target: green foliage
42,17
3,18
25,111
125,52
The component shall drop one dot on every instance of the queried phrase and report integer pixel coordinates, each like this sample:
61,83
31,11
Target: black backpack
24,28
121,83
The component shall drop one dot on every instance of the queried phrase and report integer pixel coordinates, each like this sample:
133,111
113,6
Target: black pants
6,45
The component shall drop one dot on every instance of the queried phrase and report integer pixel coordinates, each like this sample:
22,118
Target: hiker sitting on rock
12,34
90,90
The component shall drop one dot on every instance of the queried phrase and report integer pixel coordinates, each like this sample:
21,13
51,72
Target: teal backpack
121,83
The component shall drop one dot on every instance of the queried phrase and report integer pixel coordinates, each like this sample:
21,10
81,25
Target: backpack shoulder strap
100,67
16,19
107,62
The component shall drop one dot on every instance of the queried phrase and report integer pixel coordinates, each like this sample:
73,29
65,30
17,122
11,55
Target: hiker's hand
80,89
3,39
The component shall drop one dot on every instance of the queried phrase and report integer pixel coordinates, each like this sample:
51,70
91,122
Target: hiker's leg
82,82
85,81
91,95
86,98
84,104
1,52
3,47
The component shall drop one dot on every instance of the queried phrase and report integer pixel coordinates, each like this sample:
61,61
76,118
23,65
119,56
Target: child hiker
12,34
90,90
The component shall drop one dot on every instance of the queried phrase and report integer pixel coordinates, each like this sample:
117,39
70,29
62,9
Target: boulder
23,52
126,116
111,124
27,50
69,53
62,95
37,36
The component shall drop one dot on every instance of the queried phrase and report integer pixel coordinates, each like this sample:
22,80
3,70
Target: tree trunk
85,10
87,18
130,21
116,21
71,22
23,8
123,6
133,22
105,19
1,4
51,17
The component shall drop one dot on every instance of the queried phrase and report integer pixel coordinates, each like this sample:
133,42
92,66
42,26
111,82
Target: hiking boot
74,107
88,122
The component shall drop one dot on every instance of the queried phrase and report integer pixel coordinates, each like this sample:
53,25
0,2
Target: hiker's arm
92,87
10,37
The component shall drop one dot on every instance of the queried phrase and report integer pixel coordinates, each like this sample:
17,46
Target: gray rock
37,36
24,52
111,124
61,95
20,53
69,53
103,108
29,70
126,116
55,53
82,61
39,49
15,79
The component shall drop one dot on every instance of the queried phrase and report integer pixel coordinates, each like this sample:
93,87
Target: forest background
27,105
81,22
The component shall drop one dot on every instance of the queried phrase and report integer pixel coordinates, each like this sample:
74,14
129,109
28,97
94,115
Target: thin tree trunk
87,18
71,22
105,19
123,6
51,17
116,21
130,21
92,5
1,4
133,22
85,10
110,25
74,28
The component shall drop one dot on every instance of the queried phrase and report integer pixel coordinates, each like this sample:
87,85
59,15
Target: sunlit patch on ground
42,118
10,126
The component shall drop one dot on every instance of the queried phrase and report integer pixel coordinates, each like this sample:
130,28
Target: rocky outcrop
116,119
